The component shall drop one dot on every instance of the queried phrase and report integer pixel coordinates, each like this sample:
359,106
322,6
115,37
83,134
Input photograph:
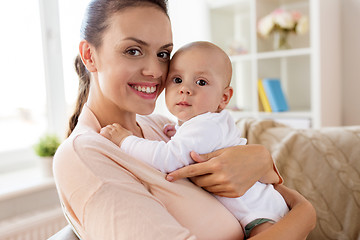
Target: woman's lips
145,90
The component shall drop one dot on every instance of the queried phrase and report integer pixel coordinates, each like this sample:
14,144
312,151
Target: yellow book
263,98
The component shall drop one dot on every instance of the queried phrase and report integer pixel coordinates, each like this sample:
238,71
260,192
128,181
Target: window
22,91
32,95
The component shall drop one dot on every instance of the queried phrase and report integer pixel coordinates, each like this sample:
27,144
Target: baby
197,91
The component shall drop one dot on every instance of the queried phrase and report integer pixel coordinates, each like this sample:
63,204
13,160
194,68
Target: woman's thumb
199,158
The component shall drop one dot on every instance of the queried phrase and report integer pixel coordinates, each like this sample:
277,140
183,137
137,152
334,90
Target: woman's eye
164,55
177,80
133,52
201,82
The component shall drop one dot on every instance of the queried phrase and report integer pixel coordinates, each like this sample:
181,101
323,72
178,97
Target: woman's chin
146,110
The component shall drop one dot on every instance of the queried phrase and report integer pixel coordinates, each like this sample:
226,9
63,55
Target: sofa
322,164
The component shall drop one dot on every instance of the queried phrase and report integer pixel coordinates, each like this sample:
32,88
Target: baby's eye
177,80
133,52
201,82
164,55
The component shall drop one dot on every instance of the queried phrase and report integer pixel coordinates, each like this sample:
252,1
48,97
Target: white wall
185,29
350,18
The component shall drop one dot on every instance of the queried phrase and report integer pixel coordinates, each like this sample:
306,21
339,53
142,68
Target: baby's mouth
183,103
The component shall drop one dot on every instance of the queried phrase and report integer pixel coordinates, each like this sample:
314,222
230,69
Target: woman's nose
154,68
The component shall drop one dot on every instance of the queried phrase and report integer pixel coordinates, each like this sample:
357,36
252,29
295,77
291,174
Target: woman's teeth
145,89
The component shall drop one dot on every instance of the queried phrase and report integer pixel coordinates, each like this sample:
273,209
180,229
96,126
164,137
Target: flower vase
281,40
45,164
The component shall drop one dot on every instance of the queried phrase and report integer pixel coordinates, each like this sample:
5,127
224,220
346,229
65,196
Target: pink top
107,194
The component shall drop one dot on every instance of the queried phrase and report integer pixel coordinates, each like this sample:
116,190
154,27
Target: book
263,98
275,95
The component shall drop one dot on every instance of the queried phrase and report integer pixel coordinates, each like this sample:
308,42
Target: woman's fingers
217,184
189,171
199,158
206,156
221,191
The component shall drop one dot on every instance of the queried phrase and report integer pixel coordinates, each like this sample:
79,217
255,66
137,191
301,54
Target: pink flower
280,19
283,19
296,16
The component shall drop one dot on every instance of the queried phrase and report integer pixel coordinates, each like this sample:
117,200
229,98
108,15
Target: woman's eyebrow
168,45
139,41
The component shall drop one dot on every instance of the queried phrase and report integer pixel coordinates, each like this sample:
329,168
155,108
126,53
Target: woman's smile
145,90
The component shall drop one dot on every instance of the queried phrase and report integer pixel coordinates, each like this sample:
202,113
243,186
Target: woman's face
132,62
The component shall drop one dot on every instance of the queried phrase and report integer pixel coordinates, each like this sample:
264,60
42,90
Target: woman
106,194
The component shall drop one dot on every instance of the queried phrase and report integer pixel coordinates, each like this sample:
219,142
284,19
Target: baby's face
195,83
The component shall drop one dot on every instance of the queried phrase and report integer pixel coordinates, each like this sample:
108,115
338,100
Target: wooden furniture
309,71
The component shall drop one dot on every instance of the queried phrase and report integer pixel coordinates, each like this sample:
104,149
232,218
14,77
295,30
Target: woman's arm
230,172
105,197
297,224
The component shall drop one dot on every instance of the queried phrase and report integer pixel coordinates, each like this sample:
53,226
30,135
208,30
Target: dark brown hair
95,22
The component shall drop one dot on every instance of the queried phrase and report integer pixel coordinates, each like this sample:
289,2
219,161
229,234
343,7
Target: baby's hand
115,133
169,130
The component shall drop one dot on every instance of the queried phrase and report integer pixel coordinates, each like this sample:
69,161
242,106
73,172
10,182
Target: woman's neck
109,113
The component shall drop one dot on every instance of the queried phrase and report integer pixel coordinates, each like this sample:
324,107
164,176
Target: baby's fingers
106,131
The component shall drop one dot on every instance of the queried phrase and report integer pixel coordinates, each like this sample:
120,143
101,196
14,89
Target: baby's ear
227,94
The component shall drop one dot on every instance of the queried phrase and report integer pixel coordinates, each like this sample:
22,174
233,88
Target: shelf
288,114
284,53
305,71
294,119
272,55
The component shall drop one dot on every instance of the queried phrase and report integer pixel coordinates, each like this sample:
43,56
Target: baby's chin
183,119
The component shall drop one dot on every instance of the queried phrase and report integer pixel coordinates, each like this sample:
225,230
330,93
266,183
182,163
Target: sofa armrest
64,234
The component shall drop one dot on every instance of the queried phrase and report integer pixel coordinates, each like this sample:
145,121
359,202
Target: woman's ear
227,94
86,53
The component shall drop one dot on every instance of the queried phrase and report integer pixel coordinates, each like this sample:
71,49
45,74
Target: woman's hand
229,172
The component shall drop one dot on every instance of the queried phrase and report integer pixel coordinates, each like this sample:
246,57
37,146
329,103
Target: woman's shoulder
78,143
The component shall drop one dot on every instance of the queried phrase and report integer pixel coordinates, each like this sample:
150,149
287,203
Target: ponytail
83,92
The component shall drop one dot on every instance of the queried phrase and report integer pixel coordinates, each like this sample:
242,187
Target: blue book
275,95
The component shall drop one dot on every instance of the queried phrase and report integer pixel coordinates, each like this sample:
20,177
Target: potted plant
45,148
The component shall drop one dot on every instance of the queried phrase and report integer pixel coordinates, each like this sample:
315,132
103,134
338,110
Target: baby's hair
95,22
210,46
